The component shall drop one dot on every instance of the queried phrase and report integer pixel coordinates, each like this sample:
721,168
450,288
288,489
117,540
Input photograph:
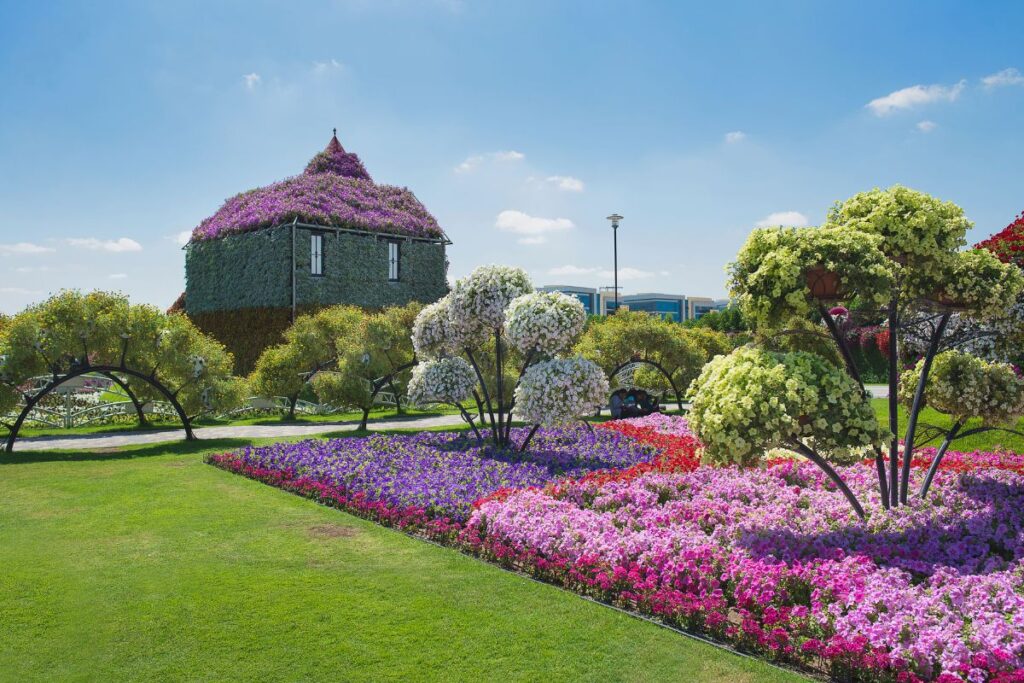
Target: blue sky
521,125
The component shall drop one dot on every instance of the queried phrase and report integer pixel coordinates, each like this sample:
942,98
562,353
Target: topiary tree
375,354
495,306
310,345
158,356
891,252
673,353
965,387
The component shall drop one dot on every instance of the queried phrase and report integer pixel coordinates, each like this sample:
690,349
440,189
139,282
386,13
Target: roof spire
334,147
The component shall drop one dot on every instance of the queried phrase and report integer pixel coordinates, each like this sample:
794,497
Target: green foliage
917,230
769,277
280,371
72,330
729,319
800,334
966,387
635,335
753,400
982,284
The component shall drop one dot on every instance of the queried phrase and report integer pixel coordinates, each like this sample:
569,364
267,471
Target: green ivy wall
238,288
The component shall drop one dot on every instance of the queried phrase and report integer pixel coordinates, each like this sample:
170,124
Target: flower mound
774,560
438,475
334,190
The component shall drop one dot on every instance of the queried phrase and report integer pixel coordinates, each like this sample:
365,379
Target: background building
330,235
677,307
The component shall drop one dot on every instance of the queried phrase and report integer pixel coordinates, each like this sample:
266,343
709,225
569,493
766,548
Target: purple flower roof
334,190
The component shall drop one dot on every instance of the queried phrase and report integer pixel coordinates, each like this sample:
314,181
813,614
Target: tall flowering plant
894,253
495,309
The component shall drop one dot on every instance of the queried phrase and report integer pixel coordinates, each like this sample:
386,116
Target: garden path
94,441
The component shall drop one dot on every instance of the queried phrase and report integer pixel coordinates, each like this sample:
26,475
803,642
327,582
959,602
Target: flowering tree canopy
494,314
558,391
894,254
753,400
1008,244
159,356
965,387
770,277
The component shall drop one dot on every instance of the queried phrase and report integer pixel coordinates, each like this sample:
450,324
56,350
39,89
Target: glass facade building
675,307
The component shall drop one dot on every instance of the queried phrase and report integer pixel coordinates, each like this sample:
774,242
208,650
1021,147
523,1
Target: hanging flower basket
947,301
823,283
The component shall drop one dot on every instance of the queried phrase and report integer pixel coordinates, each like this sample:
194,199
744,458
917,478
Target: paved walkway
94,441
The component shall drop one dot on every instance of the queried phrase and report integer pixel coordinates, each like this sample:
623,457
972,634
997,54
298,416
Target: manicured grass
147,564
986,441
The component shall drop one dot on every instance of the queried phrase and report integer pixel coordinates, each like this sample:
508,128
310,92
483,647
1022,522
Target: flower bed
775,561
770,559
437,474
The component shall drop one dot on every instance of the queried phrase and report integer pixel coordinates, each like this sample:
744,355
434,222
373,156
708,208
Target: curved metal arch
140,414
103,370
657,366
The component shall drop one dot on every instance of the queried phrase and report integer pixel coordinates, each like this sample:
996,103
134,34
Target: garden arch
654,364
105,370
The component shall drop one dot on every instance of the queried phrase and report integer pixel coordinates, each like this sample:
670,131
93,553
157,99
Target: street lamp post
615,218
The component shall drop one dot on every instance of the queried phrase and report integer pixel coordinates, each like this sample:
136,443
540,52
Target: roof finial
335,131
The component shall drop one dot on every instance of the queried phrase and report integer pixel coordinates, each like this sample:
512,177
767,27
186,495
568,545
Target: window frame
316,258
394,264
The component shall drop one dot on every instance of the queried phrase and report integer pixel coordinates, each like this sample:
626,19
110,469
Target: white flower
548,322
448,380
478,302
561,390
432,333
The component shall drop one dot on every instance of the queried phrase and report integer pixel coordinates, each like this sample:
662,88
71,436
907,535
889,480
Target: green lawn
985,441
147,564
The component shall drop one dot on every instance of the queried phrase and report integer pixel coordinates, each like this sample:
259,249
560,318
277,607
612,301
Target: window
316,255
393,261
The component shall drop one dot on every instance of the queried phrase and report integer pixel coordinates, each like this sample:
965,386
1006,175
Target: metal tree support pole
851,367
529,437
103,370
832,474
512,403
915,410
934,467
487,396
500,368
131,396
894,427
469,418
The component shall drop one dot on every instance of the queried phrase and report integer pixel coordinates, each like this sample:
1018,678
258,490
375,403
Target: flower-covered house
329,235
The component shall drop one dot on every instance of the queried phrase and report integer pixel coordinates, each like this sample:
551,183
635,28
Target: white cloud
182,238
252,80
735,136
926,126
790,218
118,276
566,183
472,162
510,155
121,244
19,290
1004,77
915,95
625,273
534,229
469,164
324,67
24,248
33,269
